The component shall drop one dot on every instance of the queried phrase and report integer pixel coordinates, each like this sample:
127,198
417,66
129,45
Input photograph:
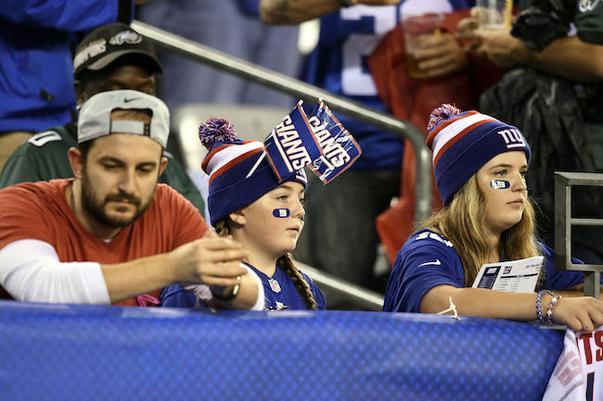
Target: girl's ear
238,217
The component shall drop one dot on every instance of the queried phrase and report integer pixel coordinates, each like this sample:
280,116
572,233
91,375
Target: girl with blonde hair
480,165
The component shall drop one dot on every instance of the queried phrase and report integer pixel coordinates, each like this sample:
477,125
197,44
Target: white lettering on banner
292,145
333,153
513,138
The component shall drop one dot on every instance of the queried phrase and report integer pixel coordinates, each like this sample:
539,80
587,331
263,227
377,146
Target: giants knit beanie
462,142
238,170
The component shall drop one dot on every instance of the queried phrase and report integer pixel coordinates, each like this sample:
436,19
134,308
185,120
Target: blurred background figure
36,73
552,92
232,27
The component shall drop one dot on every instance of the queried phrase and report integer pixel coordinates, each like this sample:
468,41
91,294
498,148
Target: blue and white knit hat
238,170
462,142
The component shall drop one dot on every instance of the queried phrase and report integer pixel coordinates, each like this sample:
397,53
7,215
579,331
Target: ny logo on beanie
462,142
513,138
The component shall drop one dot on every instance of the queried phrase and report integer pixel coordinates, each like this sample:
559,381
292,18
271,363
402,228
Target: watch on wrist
221,294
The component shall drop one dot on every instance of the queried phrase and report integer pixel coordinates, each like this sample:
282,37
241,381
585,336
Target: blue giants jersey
428,259
339,64
279,293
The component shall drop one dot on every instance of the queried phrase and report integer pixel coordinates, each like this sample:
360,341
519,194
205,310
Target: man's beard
96,208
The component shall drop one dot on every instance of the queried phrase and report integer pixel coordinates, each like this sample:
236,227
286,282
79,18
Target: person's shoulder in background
43,157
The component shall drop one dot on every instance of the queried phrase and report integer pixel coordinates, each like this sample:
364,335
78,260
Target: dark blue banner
113,353
339,149
291,146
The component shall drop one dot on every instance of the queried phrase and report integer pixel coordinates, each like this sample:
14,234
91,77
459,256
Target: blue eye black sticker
500,184
281,213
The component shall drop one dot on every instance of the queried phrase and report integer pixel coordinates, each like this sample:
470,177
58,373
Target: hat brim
111,57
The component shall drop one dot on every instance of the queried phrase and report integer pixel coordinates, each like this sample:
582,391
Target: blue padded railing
111,353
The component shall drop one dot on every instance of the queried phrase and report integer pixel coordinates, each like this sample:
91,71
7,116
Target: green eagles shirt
586,15
589,20
44,157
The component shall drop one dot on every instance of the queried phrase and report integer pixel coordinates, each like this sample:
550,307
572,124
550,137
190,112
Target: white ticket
511,276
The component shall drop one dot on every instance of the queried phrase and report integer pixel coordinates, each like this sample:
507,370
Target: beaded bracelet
539,296
549,310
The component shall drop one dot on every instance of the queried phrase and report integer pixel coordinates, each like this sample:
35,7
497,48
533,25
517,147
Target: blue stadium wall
65,352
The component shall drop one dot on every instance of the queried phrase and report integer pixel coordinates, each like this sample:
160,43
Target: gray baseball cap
95,116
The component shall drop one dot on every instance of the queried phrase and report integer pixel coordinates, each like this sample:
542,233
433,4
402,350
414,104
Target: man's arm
210,260
30,270
568,57
298,11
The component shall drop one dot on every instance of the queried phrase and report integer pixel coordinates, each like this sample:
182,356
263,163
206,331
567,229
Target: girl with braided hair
249,203
479,166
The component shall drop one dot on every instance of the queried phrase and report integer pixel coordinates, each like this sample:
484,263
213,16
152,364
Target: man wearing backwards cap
111,57
113,233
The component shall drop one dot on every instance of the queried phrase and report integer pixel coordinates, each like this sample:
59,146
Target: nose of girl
519,183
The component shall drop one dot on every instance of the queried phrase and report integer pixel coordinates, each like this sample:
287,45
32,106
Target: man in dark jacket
556,100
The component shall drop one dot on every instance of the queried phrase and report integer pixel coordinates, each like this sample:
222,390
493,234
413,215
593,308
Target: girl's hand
579,314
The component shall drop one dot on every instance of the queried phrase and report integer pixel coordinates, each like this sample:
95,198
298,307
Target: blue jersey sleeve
425,261
66,15
175,296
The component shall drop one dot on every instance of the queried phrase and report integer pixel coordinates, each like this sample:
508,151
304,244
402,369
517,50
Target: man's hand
500,47
440,55
211,260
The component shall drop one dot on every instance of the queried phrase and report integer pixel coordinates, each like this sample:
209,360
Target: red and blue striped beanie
239,173
462,142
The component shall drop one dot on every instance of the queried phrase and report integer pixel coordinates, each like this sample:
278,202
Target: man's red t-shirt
40,211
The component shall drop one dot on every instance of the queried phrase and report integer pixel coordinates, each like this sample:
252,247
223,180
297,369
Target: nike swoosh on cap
435,263
129,100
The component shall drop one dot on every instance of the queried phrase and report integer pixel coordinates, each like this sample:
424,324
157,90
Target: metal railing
563,227
364,298
361,297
